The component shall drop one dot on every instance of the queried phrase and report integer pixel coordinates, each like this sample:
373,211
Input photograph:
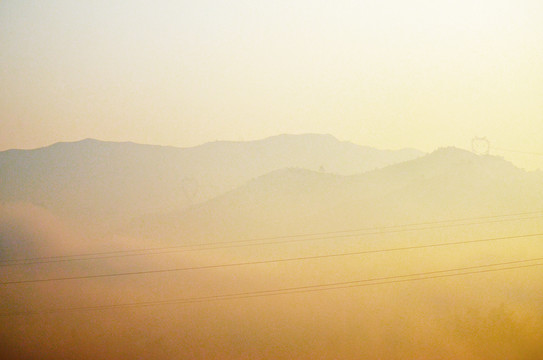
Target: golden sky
388,74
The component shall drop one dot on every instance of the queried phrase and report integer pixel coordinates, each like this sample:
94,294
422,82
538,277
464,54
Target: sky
388,74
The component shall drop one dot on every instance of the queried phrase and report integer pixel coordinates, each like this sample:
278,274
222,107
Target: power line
268,261
244,243
461,271
288,239
517,151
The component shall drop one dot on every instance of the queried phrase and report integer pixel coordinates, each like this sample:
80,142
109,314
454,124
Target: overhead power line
280,239
460,271
517,151
261,262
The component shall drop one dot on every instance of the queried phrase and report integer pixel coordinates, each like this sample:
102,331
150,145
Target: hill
448,183
108,183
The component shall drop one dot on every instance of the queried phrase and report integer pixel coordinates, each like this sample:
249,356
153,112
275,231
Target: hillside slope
107,183
448,183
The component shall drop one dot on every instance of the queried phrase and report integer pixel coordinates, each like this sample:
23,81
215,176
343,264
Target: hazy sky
384,73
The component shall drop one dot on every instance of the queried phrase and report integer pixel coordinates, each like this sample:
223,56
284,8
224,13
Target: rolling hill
448,183
107,183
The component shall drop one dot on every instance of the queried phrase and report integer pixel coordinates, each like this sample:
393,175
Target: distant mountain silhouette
110,182
448,183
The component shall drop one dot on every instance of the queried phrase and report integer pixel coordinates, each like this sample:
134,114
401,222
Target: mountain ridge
447,183
208,143
114,182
